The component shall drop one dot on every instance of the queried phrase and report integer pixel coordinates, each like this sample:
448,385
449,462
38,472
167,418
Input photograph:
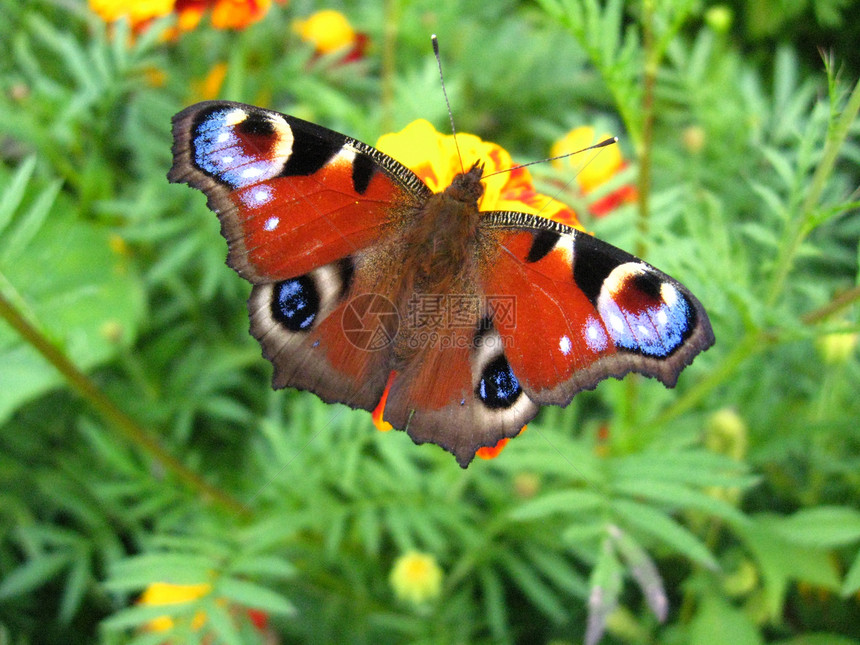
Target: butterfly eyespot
296,303
498,387
256,124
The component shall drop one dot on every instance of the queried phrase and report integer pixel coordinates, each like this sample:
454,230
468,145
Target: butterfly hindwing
603,311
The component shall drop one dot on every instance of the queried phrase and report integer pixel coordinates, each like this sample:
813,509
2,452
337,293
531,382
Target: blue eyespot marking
239,148
655,330
498,387
296,303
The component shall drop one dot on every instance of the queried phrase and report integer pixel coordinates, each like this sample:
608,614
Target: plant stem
115,417
388,66
647,140
801,227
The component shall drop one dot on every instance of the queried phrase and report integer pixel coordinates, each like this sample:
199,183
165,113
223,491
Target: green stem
801,227
647,141
116,418
389,67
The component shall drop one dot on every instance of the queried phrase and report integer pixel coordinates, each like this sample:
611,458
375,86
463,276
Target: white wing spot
251,172
616,322
271,224
565,345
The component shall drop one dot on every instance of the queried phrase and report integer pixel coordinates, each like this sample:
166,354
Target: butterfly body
361,272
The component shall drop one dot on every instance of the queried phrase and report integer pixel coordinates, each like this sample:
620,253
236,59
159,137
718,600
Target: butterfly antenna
602,144
435,42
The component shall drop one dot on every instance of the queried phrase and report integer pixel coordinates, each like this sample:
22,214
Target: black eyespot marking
363,169
648,283
498,387
257,125
310,153
593,261
296,303
543,243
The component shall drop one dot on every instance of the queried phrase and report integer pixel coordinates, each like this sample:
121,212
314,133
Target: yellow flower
433,157
600,169
163,593
416,578
137,13
226,14
327,30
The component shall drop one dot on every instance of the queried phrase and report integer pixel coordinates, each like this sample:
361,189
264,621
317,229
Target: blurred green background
142,450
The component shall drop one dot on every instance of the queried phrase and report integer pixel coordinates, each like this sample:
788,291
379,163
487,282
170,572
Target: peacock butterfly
358,267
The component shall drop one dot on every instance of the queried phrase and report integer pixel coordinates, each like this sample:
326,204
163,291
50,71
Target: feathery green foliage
140,442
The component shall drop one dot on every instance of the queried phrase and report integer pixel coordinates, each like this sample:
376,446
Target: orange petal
377,414
491,452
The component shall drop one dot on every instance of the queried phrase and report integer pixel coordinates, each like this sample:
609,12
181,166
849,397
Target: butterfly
370,288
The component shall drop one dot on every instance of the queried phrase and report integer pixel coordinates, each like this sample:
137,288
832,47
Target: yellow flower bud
416,578
837,348
726,434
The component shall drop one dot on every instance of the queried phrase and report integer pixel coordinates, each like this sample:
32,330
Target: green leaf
782,561
254,596
221,623
494,602
33,574
566,502
81,294
14,191
679,496
139,615
660,525
851,584
823,526
717,623
140,571
534,588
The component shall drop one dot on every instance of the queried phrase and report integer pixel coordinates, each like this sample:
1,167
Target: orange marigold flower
329,31
238,14
433,157
600,169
